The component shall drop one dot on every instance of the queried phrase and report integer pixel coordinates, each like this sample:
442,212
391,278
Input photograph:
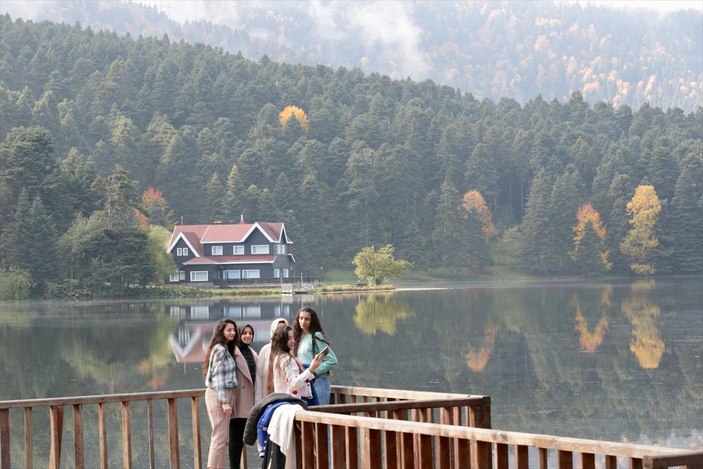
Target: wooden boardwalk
363,428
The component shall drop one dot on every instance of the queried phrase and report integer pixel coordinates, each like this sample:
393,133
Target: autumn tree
479,229
290,112
378,266
640,243
156,208
589,251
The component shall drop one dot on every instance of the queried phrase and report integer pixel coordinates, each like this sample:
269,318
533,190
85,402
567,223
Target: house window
276,273
238,250
280,249
231,274
198,276
217,250
181,251
285,273
253,273
252,312
178,276
260,249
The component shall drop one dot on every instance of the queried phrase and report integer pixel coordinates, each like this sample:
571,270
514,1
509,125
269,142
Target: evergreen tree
686,222
449,247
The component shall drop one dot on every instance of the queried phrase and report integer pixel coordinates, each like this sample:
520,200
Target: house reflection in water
196,321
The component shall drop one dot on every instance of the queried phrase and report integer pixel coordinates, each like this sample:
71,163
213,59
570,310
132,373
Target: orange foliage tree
473,200
293,112
156,208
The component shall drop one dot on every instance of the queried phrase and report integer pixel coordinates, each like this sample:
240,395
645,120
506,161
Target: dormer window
181,251
217,250
238,250
280,249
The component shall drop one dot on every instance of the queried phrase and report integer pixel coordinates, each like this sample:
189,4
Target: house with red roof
231,253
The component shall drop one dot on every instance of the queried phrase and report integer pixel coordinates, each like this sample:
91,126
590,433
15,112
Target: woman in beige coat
244,395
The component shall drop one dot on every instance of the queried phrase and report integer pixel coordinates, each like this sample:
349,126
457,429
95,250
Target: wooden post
102,436
78,437
28,445
126,434
195,415
4,438
56,424
173,434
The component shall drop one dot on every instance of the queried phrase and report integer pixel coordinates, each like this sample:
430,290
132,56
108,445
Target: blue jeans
322,388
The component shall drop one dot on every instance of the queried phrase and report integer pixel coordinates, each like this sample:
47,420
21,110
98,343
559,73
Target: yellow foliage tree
474,200
293,111
640,243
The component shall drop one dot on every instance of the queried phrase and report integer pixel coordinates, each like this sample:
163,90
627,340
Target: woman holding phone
310,340
286,375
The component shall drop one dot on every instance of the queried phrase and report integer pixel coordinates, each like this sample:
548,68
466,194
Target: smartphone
325,351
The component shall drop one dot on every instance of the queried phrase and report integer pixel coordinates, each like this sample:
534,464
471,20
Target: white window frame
260,249
217,250
196,276
238,250
286,273
251,273
178,276
232,274
182,252
276,273
280,249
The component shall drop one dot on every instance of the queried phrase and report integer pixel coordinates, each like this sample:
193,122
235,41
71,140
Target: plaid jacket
221,373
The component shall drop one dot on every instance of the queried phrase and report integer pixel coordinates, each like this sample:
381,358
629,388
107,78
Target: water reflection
646,342
196,321
380,313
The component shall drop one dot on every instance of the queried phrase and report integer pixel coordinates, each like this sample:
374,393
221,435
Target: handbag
314,399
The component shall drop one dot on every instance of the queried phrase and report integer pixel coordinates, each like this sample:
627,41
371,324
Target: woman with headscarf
245,395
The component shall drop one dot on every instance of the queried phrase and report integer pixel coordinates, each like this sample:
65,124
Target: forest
106,141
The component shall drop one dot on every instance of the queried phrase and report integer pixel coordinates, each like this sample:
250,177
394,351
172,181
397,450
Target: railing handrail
102,398
397,393
536,440
348,408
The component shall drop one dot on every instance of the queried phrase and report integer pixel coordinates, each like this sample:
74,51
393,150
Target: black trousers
236,441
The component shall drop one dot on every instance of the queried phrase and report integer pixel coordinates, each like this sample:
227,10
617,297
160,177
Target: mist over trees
103,135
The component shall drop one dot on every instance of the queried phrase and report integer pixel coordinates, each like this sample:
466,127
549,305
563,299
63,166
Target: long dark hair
218,337
315,327
279,347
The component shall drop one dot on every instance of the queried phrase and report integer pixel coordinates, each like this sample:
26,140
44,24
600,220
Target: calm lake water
614,361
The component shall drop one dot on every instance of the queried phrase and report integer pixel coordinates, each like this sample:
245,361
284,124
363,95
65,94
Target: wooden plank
78,446
28,444
444,451
321,446
407,458
588,461
126,436
565,459
371,448
423,451
611,462
484,454
339,447
5,438
195,417
150,432
522,457
56,425
462,453
543,456
102,437
307,444
352,445
502,456
392,449
174,458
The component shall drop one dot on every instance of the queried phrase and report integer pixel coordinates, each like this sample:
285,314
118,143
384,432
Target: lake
618,361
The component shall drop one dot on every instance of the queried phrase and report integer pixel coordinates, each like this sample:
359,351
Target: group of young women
297,361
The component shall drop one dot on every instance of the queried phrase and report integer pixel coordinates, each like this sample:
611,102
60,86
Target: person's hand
316,362
227,409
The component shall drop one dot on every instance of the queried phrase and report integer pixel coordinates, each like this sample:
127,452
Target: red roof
197,235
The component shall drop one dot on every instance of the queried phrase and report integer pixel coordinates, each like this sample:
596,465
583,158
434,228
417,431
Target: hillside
492,49
90,120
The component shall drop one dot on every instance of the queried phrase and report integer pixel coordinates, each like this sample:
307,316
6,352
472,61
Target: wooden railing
363,428
97,434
